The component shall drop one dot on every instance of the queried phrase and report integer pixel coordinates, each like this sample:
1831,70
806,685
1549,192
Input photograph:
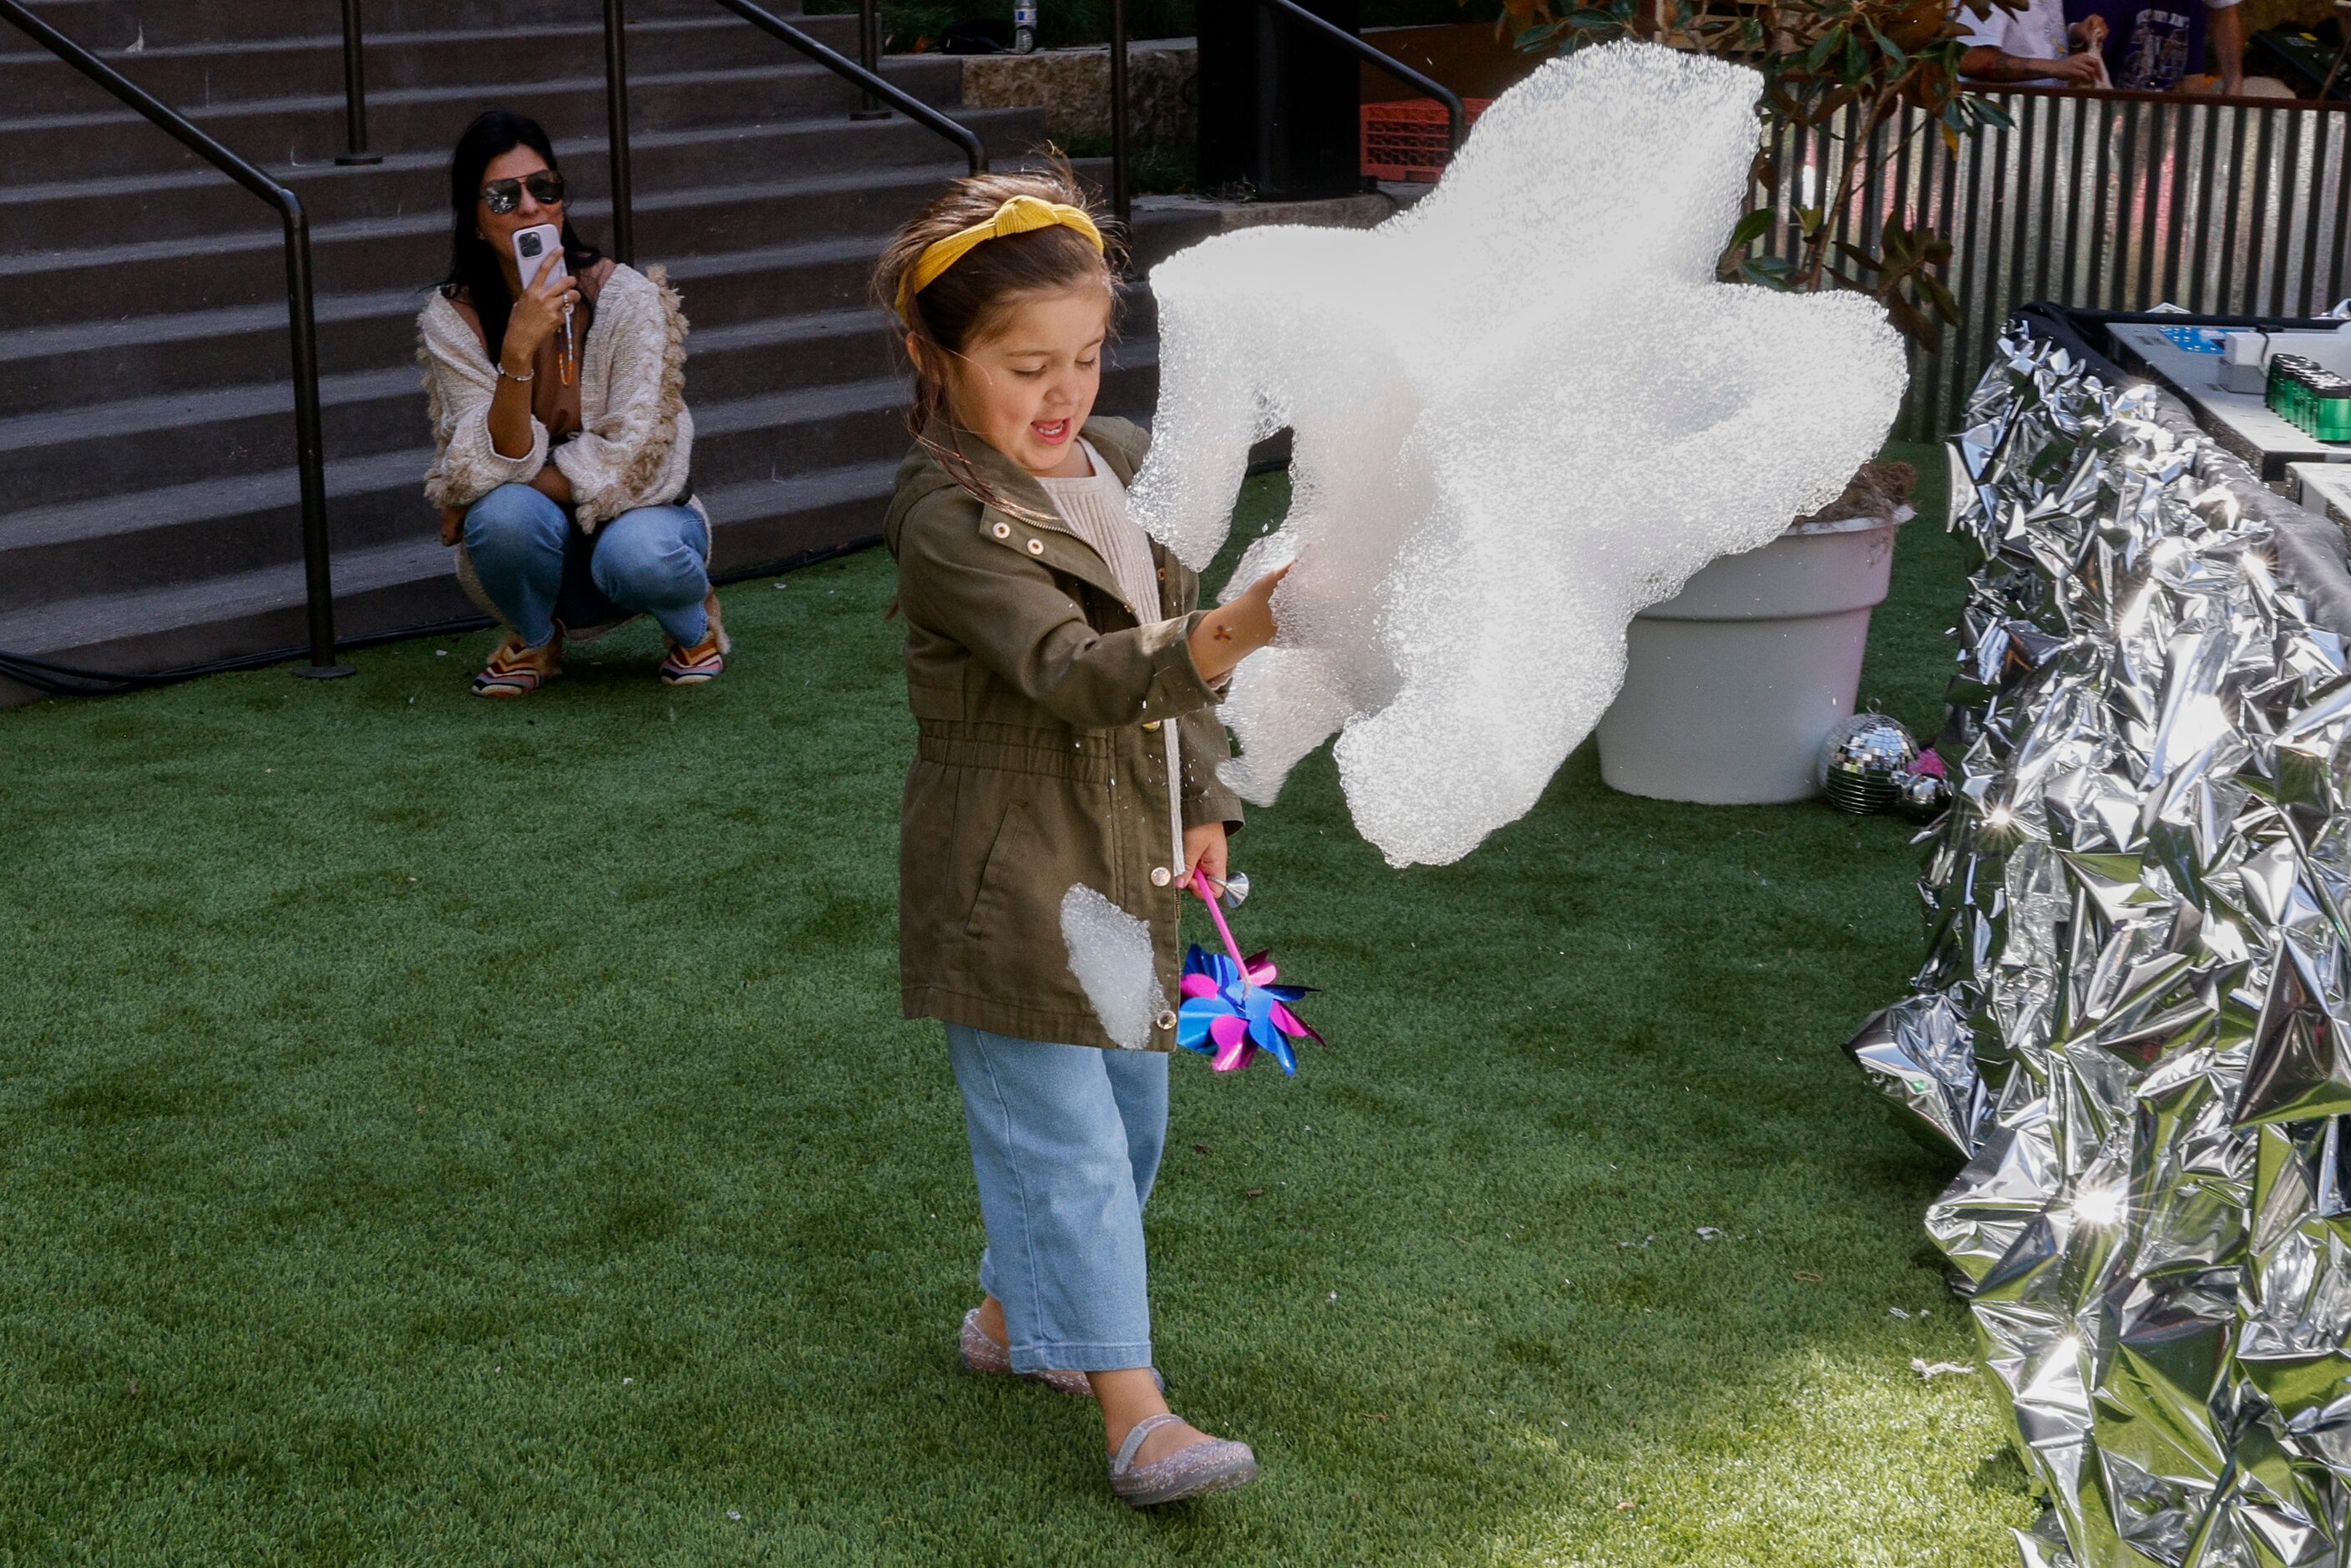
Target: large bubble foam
1523,409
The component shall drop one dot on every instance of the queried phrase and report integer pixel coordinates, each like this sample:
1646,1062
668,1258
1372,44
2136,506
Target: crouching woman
562,446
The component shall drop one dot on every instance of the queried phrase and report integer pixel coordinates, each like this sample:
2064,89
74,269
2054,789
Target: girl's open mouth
1052,433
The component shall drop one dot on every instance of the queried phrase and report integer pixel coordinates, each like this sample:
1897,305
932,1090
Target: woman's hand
536,316
453,524
552,483
1234,630
1204,851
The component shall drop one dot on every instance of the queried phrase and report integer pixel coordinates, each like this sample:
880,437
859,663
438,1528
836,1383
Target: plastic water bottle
1024,27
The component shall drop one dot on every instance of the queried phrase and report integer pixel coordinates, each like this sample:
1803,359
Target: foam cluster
1523,409
1109,952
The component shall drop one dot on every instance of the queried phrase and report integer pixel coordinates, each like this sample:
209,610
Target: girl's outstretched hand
1238,628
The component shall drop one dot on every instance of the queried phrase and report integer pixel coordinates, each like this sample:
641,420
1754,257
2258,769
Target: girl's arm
1008,609
1234,630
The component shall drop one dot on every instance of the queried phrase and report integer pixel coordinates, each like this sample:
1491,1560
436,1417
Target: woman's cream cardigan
636,438
635,445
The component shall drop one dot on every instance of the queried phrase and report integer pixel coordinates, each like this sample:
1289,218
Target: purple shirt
2150,44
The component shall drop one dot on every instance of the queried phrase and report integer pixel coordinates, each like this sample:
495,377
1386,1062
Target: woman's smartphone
538,247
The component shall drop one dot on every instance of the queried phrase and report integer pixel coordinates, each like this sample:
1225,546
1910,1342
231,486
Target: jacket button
1161,875
1167,1019
1036,546
1152,725
1002,530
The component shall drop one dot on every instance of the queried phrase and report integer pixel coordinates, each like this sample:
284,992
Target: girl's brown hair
971,299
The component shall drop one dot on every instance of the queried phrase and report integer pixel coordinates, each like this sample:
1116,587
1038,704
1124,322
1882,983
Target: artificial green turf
439,1131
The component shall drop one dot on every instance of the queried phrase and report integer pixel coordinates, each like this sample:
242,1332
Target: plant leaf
1752,227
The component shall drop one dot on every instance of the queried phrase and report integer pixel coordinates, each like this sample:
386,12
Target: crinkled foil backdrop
2132,1018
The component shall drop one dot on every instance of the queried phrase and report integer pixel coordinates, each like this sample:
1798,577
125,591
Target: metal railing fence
2112,200
874,91
301,309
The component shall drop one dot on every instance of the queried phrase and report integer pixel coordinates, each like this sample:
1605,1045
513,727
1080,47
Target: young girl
1064,682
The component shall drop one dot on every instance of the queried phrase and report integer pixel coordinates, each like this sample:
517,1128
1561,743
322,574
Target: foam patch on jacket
1109,952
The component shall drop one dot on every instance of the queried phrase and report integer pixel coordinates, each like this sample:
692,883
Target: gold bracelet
518,380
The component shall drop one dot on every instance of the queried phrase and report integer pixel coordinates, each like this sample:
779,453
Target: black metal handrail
1456,117
616,97
354,90
300,308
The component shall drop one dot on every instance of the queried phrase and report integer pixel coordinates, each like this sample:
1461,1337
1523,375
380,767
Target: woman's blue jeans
539,567
1065,1140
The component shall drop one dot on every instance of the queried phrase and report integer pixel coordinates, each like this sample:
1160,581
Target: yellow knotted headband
1020,215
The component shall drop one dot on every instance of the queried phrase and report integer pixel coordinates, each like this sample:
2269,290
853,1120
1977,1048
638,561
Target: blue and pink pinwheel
1232,1008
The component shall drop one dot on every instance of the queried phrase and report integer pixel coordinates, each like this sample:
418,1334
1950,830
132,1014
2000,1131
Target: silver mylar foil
2133,1020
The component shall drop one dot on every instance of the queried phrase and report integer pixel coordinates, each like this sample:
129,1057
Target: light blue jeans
1065,1140
539,567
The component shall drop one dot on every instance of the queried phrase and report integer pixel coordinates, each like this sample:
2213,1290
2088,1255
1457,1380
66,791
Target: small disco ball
1924,796
1863,762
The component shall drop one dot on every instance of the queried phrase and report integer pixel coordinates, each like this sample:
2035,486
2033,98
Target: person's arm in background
2224,44
1986,64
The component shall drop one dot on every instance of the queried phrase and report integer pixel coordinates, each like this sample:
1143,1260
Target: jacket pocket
999,863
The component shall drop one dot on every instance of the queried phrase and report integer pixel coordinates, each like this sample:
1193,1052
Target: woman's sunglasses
502,196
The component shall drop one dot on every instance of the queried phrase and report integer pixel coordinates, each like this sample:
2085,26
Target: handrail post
354,91
1122,187
310,449
616,114
869,54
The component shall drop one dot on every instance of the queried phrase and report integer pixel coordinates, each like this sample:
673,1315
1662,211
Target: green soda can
2331,409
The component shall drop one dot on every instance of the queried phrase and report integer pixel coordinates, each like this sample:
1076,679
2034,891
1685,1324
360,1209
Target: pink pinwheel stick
1223,929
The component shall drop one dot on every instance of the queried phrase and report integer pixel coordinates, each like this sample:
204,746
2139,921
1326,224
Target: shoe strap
1140,1431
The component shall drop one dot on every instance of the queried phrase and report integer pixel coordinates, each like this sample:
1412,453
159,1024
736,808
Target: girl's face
1027,386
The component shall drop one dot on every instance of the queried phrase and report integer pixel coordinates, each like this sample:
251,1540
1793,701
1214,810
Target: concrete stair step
191,203
752,457
170,276
84,363
60,455
408,582
387,588
191,76
138,25
772,84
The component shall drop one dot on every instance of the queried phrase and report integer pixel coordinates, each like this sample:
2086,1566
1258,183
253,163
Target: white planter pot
1733,684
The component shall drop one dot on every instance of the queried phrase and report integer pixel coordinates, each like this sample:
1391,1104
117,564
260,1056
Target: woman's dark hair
971,299
476,275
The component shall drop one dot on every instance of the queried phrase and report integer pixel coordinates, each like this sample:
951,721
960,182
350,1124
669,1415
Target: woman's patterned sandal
518,669
1212,1464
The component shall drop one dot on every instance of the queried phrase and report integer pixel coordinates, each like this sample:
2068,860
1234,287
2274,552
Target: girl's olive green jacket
1039,693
